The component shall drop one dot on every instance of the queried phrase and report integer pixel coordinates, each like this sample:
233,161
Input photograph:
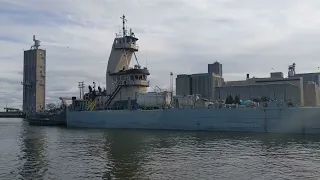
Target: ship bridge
124,46
119,73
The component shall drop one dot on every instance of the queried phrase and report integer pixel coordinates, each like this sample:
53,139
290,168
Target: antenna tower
146,60
124,25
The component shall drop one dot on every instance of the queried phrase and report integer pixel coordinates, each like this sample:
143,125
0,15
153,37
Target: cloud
180,36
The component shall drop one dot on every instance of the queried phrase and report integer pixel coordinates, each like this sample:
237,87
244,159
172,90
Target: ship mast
124,25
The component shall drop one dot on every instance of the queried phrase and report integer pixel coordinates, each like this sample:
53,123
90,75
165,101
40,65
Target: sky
179,36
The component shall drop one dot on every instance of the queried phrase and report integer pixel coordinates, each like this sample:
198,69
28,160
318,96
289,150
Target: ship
50,117
126,104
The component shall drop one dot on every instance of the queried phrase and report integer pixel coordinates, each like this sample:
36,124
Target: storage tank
187,100
154,99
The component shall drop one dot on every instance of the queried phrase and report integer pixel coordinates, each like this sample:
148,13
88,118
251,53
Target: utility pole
81,86
171,87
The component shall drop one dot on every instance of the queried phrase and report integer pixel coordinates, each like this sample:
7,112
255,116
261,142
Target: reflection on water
61,153
124,152
33,153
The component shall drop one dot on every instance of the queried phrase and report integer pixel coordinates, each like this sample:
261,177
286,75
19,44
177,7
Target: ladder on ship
113,95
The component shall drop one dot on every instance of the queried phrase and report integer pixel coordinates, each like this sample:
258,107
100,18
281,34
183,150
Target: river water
29,152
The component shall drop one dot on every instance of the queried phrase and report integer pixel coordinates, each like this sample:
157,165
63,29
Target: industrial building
201,83
281,89
311,94
302,89
215,68
34,81
310,77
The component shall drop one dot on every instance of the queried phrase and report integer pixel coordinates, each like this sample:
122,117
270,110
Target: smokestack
247,76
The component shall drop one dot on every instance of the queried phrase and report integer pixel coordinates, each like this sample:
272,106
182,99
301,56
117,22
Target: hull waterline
290,120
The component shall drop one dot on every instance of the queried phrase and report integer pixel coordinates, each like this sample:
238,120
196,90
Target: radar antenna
124,20
36,43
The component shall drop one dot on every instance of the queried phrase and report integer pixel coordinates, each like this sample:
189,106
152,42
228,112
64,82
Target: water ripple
28,152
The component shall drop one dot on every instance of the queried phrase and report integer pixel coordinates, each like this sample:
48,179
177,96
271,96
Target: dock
12,113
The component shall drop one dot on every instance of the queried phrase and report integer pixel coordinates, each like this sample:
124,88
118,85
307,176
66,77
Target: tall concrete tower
216,68
34,80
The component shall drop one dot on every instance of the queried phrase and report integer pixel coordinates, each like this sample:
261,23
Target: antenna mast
146,60
124,25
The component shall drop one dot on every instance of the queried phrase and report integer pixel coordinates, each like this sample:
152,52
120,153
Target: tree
51,106
229,100
237,100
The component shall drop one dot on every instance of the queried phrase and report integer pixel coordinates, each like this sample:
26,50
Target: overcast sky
182,36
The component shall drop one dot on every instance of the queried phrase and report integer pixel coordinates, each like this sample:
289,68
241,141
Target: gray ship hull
287,120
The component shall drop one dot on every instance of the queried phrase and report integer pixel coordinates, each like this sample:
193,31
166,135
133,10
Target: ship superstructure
124,83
